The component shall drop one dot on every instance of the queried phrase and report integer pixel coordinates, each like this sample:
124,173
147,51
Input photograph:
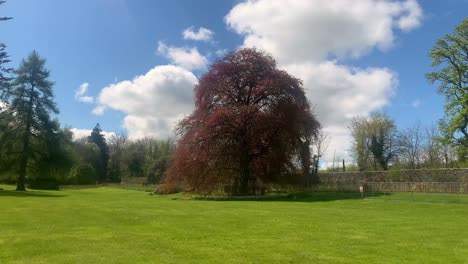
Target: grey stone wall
422,180
417,175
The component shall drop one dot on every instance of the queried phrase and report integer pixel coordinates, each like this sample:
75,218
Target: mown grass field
105,225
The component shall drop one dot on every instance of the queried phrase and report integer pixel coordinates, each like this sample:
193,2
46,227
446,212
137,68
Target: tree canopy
97,137
249,124
450,55
374,141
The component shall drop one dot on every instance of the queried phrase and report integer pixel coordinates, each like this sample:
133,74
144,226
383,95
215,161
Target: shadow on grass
29,194
291,197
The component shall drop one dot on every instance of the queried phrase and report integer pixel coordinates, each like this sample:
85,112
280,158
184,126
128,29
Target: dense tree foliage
374,143
146,157
5,76
450,54
249,124
97,137
115,167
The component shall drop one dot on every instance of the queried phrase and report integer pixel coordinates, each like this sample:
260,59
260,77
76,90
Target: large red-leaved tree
252,124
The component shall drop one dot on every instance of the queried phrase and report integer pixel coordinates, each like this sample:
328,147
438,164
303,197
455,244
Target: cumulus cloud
79,94
311,30
203,34
340,92
81,133
153,102
187,58
99,110
310,40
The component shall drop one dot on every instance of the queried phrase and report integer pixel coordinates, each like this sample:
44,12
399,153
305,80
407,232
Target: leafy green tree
374,141
360,132
159,160
82,174
59,159
450,55
97,137
87,153
31,103
116,157
135,158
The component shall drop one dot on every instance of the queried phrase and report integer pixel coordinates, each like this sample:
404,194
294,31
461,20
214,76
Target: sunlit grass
105,225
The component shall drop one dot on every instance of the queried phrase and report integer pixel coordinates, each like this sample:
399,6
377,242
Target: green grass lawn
423,197
105,225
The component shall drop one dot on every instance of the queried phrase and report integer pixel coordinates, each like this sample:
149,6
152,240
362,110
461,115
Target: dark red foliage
249,124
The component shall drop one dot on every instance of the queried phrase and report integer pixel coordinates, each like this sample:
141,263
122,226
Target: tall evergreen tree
31,102
98,138
5,77
4,70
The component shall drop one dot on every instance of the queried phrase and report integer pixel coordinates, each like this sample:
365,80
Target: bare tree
432,147
318,148
448,154
410,145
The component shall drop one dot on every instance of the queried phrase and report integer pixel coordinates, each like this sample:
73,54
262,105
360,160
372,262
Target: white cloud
99,110
203,34
311,30
413,17
309,38
81,133
79,94
187,58
416,103
340,92
153,102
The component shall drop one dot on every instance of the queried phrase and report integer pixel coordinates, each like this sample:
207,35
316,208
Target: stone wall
425,180
417,175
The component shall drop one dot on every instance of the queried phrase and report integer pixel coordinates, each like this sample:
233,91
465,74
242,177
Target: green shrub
82,174
43,184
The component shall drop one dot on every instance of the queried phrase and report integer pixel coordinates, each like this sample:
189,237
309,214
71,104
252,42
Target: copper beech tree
252,124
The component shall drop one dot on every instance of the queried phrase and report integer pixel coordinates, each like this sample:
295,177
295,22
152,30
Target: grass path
106,225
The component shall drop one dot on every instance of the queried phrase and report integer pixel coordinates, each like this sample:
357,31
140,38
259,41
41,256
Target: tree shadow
29,194
292,197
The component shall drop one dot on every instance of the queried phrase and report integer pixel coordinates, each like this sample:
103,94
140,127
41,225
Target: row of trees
252,125
57,159
378,144
35,149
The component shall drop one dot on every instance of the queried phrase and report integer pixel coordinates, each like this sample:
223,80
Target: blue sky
378,53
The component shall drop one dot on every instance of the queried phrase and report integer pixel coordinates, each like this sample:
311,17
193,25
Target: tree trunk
24,160
305,163
244,176
25,153
22,173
